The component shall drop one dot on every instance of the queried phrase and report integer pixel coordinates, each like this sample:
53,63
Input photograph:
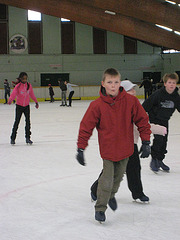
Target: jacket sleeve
178,104
31,93
141,120
150,102
14,93
88,123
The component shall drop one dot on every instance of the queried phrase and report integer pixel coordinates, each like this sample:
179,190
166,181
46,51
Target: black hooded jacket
161,105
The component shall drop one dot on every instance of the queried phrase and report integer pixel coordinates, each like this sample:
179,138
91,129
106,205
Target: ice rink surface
45,193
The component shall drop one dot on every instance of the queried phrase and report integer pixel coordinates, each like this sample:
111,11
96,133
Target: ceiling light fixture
176,32
110,12
166,28
170,2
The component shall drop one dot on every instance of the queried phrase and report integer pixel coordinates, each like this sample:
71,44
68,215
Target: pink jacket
22,95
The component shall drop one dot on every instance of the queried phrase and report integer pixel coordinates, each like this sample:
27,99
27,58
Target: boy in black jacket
160,107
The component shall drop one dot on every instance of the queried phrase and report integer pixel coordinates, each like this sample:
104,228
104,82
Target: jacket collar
109,99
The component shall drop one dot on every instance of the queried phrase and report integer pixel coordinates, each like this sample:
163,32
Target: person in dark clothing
6,90
51,93
160,106
63,88
147,87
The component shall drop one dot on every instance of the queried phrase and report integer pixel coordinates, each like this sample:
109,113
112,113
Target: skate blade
154,171
141,202
92,200
167,171
101,222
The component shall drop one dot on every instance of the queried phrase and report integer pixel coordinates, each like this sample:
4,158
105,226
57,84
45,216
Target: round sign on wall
18,43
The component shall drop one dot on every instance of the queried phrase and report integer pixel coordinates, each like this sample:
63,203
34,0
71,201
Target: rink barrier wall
80,93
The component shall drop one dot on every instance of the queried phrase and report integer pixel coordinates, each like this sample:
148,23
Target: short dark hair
112,72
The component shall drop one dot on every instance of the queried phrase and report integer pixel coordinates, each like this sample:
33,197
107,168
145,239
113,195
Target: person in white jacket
71,91
133,170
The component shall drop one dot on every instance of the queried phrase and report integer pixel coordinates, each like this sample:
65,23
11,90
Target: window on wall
67,37
3,29
130,45
99,41
34,32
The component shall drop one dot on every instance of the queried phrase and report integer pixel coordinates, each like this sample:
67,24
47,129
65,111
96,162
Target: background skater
23,91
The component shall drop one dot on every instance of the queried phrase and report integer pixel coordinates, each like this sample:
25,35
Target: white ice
45,193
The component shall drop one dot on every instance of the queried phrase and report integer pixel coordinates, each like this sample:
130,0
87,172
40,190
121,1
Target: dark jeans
70,97
52,99
133,173
158,149
147,93
19,111
5,96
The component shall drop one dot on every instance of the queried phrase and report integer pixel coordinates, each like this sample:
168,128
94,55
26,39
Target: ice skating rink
45,193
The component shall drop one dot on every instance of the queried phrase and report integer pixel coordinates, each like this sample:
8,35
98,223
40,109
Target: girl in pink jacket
22,92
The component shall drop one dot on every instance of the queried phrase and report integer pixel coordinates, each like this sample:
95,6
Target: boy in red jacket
113,115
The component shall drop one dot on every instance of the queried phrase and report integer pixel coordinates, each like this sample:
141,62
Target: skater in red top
113,115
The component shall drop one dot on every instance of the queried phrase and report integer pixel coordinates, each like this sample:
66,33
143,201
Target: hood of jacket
109,99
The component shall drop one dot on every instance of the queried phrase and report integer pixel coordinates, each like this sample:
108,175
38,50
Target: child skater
71,91
22,92
160,106
113,115
133,170
51,93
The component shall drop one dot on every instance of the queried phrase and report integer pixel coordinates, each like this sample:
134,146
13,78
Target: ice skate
93,197
28,141
154,165
12,142
112,203
163,166
143,198
100,216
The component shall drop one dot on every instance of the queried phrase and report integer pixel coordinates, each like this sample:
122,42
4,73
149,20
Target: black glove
145,149
80,156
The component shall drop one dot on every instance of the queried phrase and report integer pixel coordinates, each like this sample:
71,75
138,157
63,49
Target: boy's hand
145,149
80,156
9,102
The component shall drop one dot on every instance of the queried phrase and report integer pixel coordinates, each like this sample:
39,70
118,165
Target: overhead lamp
170,2
166,28
110,12
176,32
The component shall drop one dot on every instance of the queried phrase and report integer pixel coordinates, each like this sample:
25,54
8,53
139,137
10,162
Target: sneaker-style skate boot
100,216
154,165
112,203
163,166
28,141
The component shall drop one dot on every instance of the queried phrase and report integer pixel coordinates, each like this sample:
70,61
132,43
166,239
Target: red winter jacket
113,119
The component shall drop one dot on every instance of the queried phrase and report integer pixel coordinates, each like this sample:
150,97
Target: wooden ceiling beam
150,11
96,17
